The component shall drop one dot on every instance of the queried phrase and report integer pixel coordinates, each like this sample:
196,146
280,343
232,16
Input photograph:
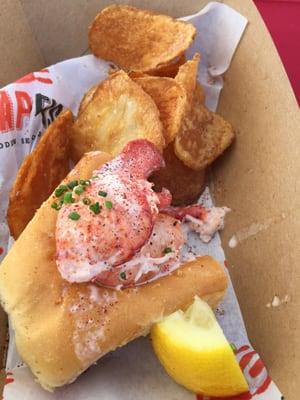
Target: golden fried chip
137,74
169,70
138,40
185,184
39,174
187,76
87,98
199,94
203,137
119,111
170,99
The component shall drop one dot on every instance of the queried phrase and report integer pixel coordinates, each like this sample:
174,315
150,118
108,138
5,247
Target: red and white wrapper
27,107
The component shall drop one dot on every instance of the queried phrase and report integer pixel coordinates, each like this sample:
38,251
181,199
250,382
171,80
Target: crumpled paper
27,107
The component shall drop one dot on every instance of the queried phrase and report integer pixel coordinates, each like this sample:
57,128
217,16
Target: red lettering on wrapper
264,386
256,368
33,78
9,378
243,348
24,107
246,359
6,114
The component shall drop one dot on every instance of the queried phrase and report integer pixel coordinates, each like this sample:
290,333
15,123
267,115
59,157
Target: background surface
282,18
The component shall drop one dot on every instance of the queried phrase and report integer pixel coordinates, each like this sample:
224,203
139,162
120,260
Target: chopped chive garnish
102,194
60,190
84,182
167,250
86,201
68,198
74,216
56,206
96,208
233,346
123,275
95,177
72,184
79,189
108,204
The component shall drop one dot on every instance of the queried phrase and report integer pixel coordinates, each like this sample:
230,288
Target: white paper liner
133,371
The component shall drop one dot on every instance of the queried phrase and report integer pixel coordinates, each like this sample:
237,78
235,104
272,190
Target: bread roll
61,328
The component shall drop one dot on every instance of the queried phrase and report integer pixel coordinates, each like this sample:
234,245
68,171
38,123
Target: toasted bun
62,328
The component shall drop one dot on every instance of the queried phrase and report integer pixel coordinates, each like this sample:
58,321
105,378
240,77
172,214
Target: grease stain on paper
253,229
276,301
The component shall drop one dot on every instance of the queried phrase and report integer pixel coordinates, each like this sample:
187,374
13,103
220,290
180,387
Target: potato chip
87,98
170,100
166,71
138,40
203,137
137,74
169,70
40,173
119,111
185,184
199,94
187,76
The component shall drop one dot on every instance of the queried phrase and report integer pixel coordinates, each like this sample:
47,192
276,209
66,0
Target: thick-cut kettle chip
204,135
119,111
187,77
184,183
199,93
170,100
170,70
87,98
40,173
138,40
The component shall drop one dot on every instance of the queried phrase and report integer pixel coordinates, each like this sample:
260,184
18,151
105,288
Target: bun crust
62,328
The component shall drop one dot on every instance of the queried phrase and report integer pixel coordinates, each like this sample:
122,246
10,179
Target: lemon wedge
194,351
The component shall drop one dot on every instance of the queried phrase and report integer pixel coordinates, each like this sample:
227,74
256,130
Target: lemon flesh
194,351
